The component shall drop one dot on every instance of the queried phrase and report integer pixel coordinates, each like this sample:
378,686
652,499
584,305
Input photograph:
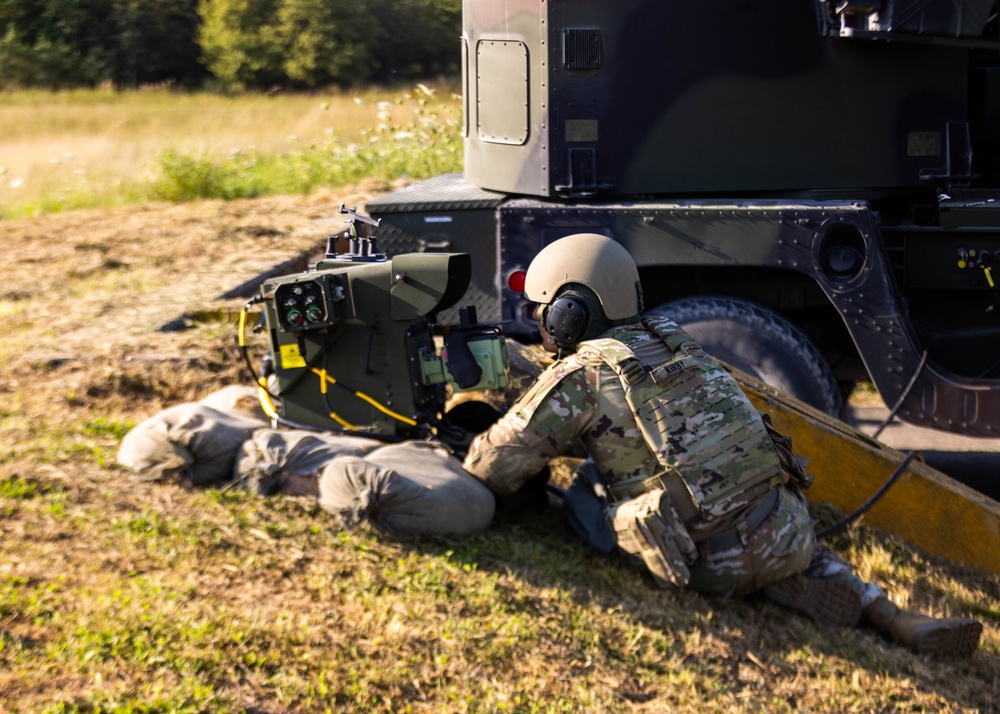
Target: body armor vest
713,445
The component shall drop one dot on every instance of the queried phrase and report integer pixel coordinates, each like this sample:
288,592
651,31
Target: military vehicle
811,187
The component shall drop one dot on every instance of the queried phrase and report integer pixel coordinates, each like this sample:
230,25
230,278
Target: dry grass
104,148
120,596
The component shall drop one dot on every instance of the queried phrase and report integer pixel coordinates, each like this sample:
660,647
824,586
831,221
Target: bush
427,146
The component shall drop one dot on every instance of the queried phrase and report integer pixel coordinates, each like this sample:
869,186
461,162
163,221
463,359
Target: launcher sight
352,339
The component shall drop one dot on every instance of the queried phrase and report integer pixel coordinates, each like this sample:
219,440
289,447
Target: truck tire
761,343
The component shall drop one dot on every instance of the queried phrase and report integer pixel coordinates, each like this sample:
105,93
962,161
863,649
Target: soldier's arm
543,424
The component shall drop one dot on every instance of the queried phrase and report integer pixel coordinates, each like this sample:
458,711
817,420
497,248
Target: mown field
118,595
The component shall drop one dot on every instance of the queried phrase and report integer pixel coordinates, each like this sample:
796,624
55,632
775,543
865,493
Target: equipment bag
190,442
648,526
412,487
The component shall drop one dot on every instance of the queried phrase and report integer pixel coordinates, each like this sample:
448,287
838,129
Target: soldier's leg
773,560
825,565
585,509
953,637
834,601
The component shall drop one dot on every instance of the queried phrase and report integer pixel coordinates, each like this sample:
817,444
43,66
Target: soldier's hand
532,497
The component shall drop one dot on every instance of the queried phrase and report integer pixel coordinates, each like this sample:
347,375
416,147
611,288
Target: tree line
225,44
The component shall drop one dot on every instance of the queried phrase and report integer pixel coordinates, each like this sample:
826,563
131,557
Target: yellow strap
243,328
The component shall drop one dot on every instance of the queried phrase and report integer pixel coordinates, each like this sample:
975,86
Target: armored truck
810,187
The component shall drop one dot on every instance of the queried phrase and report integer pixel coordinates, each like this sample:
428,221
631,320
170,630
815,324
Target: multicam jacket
681,415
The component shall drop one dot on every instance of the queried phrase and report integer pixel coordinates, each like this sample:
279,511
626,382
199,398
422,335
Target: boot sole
832,603
953,639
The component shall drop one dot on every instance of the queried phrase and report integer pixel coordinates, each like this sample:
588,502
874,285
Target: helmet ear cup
566,319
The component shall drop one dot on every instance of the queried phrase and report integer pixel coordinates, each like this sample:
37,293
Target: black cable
904,395
833,528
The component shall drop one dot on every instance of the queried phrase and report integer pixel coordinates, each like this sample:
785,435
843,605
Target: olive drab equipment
716,451
352,340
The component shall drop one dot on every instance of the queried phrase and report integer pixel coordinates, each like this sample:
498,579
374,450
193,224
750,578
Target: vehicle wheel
761,343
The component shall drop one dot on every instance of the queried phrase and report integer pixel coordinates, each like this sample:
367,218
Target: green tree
69,43
239,42
156,42
420,38
326,41
55,43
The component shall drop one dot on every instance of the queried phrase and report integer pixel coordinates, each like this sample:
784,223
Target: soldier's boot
828,601
950,637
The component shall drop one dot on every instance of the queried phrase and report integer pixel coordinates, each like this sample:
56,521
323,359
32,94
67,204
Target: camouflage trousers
784,544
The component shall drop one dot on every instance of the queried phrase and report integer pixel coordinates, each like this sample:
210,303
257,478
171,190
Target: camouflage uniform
710,435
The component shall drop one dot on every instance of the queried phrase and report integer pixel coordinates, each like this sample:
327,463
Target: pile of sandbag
407,487
291,460
192,443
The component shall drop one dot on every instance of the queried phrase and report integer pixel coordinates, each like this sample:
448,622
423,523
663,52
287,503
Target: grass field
122,596
101,148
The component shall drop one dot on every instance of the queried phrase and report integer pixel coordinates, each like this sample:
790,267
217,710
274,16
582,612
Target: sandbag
412,487
236,398
189,442
291,460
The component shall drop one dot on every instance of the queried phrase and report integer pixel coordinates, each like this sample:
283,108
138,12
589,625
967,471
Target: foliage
239,44
66,43
428,145
325,41
419,38
310,43
101,148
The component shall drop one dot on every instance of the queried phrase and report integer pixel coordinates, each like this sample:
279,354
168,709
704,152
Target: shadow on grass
722,637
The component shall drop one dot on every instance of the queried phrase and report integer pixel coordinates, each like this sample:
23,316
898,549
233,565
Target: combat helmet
586,284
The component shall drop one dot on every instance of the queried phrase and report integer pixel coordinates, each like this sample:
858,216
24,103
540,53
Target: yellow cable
243,328
324,377
385,410
266,405
265,399
989,276
344,423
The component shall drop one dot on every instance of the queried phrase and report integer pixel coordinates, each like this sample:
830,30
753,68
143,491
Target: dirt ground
88,292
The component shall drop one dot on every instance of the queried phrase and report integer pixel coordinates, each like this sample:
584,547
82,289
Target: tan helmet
592,260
